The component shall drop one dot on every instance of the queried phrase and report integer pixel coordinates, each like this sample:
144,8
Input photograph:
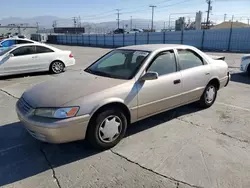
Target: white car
35,57
245,64
135,31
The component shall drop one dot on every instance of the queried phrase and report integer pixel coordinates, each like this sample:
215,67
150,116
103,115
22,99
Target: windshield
4,50
120,64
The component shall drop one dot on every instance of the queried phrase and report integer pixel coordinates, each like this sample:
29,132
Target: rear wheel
209,96
56,67
107,128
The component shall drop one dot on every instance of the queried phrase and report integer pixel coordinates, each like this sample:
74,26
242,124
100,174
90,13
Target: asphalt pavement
185,147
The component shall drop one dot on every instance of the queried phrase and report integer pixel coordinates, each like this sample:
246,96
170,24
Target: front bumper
54,130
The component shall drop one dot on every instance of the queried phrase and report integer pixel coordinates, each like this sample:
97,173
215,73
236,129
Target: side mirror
11,55
1,45
149,76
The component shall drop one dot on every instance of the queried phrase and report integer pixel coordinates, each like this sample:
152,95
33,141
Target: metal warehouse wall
236,40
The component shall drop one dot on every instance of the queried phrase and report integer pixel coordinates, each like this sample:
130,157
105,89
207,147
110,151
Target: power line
152,22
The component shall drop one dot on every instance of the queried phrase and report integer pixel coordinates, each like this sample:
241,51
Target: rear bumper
70,62
225,81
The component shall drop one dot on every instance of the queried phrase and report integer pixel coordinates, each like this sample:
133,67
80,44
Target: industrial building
14,29
72,30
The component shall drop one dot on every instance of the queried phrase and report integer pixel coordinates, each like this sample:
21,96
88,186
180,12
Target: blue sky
104,10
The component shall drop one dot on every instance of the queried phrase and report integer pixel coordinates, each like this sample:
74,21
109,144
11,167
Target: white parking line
233,106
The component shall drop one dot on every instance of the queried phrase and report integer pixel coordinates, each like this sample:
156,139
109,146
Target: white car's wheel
209,96
107,128
57,67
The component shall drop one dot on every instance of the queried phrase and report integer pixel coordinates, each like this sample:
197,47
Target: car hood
65,88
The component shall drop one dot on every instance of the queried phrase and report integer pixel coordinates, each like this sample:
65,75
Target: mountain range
47,21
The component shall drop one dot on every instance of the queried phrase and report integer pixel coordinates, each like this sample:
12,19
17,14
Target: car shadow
22,157
240,77
24,75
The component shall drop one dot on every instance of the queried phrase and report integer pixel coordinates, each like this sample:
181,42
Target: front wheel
248,70
107,128
209,96
56,67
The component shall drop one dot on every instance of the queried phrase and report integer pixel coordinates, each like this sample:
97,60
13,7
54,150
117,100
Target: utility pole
208,11
118,17
54,24
164,25
75,22
225,17
37,27
131,22
79,22
152,21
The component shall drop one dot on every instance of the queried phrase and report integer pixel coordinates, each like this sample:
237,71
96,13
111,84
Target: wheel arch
55,61
215,81
117,104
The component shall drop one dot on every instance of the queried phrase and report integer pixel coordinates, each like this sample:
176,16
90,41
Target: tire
57,67
248,70
99,129
206,101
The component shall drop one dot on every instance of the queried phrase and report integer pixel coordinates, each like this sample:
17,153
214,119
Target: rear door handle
177,81
207,73
34,56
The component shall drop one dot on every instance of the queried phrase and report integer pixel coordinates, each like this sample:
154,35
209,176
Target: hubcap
110,129
57,67
210,94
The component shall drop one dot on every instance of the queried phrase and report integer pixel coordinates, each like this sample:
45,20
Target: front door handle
34,56
177,81
207,73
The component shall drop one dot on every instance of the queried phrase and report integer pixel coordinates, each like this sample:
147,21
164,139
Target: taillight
71,55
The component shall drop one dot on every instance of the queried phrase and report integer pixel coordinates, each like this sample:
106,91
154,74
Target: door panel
195,74
163,93
194,81
17,64
159,95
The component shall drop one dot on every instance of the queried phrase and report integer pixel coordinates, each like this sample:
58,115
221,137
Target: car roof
17,39
153,47
36,44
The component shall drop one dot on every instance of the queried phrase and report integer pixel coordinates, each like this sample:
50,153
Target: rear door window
42,49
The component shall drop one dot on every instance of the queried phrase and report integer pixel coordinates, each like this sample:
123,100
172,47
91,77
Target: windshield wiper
100,73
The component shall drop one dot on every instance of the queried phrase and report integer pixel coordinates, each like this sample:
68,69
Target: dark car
120,31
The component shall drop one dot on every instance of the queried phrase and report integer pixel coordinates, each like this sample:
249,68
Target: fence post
135,38
113,40
89,39
71,39
104,40
148,38
82,40
182,36
164,37
123,40
230,37
202,40
66,39
96,40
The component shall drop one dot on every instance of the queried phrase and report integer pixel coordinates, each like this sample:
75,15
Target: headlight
59,113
